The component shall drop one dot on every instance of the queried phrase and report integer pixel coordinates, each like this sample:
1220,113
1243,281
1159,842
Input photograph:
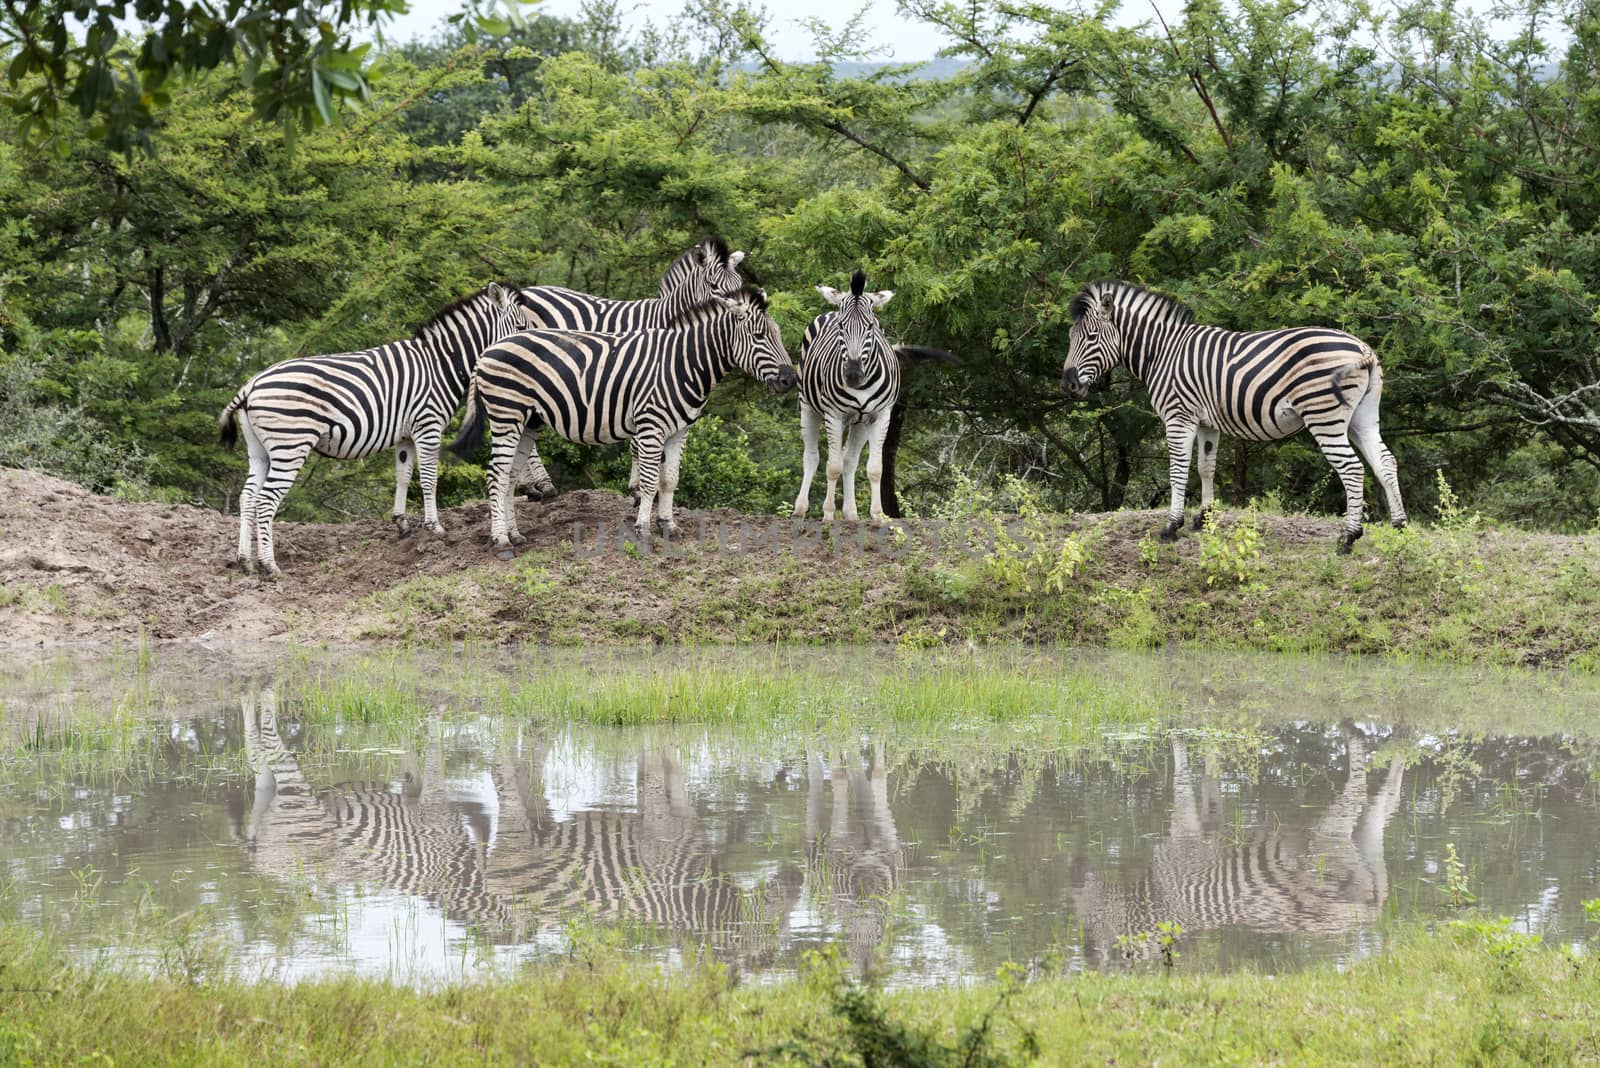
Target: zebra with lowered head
646,387
353,404
1260,385
706,270
849,378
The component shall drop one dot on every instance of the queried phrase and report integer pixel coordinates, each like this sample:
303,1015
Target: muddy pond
925,816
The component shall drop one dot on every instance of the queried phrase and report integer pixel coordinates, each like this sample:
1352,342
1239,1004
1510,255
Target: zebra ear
1105,303
880,298
736,259
497,293
831,295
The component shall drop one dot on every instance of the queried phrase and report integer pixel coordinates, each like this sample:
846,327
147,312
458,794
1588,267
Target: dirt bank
76,567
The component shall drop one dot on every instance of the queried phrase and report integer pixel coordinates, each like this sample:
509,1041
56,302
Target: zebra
353,404
1328,879
1261,386
706,270
850,377
648,386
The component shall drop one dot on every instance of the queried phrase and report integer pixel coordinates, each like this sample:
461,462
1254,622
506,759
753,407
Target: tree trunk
891,445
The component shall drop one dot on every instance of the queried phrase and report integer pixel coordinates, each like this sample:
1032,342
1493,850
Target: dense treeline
1418,177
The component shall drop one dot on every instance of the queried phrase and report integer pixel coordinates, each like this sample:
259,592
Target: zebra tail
227,424
923,354
470,436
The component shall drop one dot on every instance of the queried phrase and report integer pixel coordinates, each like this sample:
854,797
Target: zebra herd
595,370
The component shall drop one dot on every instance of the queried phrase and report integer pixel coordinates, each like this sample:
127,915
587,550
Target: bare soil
76,567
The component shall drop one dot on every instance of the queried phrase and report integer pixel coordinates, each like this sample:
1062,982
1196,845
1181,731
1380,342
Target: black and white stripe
506,863
1329,878
353,404
1260,385
707,270
849,381
646,387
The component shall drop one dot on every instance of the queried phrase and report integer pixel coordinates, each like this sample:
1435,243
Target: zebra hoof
246,564
504,553
436,529
516,538
667,527
1347,541
1169,533
1400,524
1200,518
402,527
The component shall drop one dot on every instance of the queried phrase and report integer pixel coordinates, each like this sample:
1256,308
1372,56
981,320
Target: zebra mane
457,305
858,283
690,258
754,296
1167,308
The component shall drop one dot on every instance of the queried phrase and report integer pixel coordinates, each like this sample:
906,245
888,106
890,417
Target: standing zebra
354,404
647,386
849,377
704,271
1261,386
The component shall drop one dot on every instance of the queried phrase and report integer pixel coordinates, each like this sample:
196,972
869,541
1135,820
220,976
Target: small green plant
1042,561
1167,934
1508,949
1591,913
1452,516
1457,894
1231,558
1149,552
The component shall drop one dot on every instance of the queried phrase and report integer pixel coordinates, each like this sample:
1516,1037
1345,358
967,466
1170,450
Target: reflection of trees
854,865
514,868
1328,878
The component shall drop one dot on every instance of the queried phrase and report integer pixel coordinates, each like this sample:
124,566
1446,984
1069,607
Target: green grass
1256,580
1461,995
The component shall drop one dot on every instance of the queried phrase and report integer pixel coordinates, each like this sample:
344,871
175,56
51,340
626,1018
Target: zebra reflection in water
855,862
1326,879
512,868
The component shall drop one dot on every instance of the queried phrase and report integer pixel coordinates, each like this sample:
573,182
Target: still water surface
226,830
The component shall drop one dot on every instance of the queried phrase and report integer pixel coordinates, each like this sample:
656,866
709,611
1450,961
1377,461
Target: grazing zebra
1261,386
704,271
647,386
511,866
849,377
1328,879
353,404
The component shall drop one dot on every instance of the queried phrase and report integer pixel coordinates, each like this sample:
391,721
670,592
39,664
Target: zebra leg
810,424
669,480
284,469
835,427
532,478
1180,439
649,446
1206,439
428,442
259,465
502,459
1334,440
1364,431
404,453
525,457
877,433
633,471
853,442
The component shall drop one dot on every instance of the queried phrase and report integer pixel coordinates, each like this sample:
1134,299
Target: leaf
319,92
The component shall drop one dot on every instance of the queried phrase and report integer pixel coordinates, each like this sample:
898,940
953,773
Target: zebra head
464,328
1094,345
707,270
858,334
757,343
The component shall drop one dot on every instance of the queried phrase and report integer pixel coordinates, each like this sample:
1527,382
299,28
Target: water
205,823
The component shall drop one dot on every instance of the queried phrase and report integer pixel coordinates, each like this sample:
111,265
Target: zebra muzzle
783,381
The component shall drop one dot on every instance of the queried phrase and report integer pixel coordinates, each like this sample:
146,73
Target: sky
896,39
900,40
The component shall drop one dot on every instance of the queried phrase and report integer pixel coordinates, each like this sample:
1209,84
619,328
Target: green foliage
1231,557
1269,166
